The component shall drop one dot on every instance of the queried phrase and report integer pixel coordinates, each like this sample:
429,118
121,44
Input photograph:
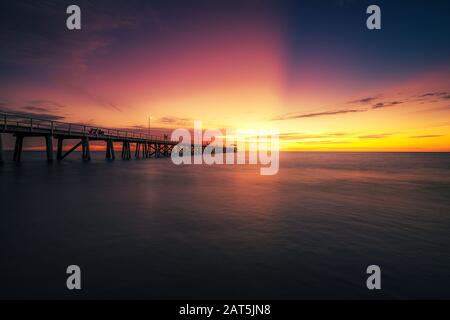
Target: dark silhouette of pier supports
59,149
49,147
126,150
165,150
86,152
18,148
151,150
157,150
138,150
145,150
85,149
110,155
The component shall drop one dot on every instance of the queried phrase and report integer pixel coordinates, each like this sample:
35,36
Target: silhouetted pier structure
22,127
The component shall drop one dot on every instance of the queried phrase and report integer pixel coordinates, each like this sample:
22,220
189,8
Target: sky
309,69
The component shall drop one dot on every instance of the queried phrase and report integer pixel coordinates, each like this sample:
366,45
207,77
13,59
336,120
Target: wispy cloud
100,101
372,103
35,108
303,136
435,109
35,115
432,94
376,136
47,103
364,100
42,106
430,97
175,120
386,104
3,103
288,116
428,136
317,142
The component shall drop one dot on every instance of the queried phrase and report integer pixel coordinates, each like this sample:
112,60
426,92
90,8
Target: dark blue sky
414,34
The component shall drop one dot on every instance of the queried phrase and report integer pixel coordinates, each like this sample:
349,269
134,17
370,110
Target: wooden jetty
146,146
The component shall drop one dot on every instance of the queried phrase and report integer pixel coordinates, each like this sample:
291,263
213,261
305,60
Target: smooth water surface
150,229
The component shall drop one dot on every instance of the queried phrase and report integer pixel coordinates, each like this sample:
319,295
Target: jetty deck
21,126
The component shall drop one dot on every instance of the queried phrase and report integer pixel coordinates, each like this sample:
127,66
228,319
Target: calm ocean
150,229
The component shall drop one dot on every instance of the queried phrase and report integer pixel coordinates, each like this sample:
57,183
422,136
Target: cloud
432,94
376,136
427,97
292,136
3,103
442,108
321,142
35,115
46,102
138,126
34,33
37,108
364,100
386,104
288,116
428,136
302,136
100,101
338,134
42,106
114,106
430,97
175,120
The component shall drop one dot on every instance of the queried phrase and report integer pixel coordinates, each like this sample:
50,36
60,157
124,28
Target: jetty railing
10,121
